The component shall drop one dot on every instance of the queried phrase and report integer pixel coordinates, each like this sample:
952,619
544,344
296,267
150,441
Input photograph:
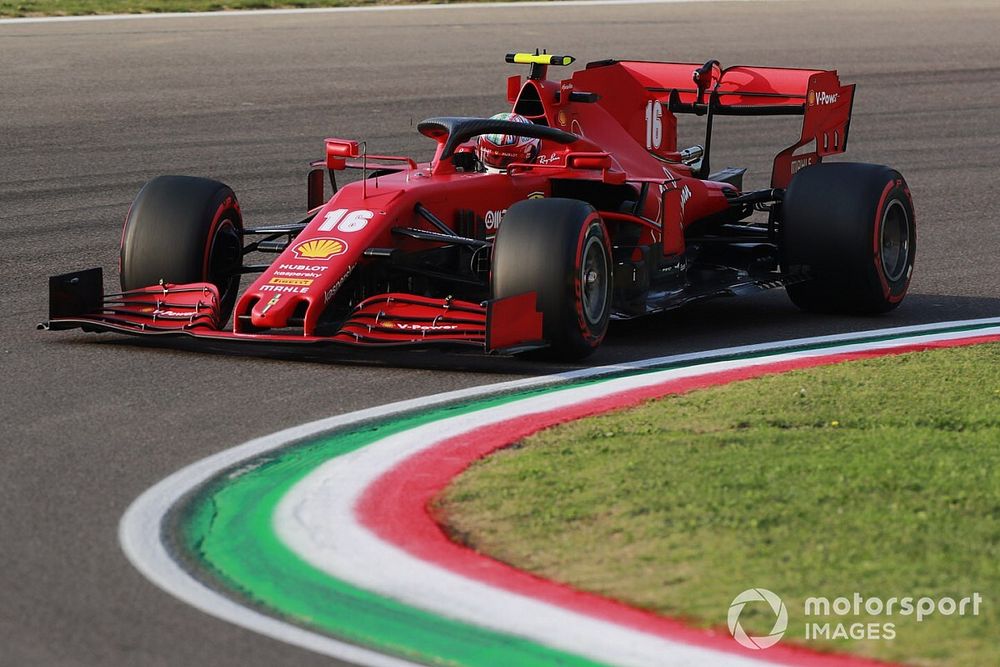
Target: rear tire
849,228
182,229
559,249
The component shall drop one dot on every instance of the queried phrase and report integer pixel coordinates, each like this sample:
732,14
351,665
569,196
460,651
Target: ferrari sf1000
526,231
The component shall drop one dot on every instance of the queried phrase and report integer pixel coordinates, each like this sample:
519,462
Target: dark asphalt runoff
91,110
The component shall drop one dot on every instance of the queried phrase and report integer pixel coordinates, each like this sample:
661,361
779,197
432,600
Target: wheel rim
225,258
895,241
594,281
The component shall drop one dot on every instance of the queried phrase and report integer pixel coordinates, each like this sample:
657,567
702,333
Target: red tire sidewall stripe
876,242
217,217
121,244
585,330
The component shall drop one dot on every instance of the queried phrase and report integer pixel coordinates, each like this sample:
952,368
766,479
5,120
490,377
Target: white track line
140,529
240,13
316,519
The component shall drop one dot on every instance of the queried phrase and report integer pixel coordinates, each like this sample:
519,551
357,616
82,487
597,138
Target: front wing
77,300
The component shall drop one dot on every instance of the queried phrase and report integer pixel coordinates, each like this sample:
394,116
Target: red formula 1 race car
528,230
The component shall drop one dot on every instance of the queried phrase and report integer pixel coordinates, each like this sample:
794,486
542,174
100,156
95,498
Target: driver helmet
496,151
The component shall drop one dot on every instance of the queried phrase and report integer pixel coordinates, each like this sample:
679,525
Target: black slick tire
848,238
182,229
559,249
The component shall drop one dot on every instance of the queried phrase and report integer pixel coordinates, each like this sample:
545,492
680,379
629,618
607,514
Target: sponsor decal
819,98
514,154
493,219
303,282
274,300
562,118
171,313
802,162
320,249
413,326
344,220
329,294
302,267
297,274
287,289
536,195
299,271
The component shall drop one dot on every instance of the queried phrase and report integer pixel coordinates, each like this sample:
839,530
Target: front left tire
559,249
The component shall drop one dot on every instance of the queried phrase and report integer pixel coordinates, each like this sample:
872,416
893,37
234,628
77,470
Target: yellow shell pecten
320,248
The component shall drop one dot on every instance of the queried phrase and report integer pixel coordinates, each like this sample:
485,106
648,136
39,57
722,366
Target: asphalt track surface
89,111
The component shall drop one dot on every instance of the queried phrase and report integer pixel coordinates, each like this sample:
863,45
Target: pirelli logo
299,282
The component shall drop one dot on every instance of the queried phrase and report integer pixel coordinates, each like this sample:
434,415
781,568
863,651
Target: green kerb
227,529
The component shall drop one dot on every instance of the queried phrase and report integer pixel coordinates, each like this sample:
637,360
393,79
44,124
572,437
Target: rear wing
637,91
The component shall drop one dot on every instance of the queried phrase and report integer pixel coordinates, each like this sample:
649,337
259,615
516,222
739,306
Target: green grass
20,8
880,476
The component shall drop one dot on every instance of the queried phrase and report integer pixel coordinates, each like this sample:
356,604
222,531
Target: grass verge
880,477
23,8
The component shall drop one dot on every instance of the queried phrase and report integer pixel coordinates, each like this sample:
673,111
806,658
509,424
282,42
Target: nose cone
274,308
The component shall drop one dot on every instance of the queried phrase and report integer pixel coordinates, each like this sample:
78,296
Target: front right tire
182,229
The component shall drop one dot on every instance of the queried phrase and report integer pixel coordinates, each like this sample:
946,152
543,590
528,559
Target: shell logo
812,98
320,249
